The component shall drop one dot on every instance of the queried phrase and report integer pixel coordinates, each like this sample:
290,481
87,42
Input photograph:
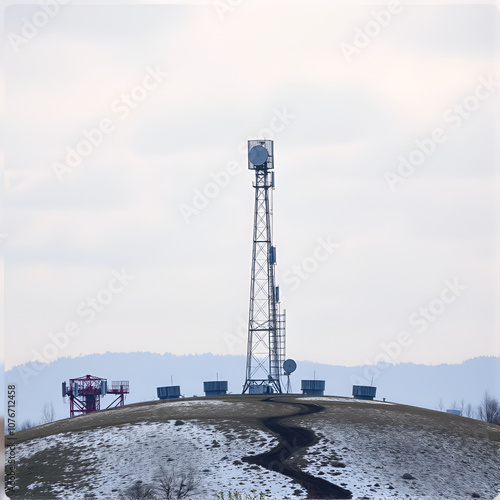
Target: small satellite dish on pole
289,366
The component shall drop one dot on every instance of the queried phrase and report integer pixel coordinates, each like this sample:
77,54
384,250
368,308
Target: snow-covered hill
368,448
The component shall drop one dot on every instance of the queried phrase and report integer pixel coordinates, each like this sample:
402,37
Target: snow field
370,462
114,458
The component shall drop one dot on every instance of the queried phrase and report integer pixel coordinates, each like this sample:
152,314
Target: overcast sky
143,242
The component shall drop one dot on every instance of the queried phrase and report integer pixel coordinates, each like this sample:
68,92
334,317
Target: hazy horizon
298,360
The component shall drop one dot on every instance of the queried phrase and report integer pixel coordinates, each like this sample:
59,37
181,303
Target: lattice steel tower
266,324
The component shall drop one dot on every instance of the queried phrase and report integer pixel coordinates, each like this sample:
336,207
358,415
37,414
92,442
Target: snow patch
370,461
208,402
343,400
116,457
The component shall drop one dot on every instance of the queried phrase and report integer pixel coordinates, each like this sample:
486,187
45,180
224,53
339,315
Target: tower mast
266,333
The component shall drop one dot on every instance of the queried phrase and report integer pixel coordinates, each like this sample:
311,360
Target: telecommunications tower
266,324
85,393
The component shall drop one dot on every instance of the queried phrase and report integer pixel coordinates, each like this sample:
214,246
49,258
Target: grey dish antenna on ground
289,366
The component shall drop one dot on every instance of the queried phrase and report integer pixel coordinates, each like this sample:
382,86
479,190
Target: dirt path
291,440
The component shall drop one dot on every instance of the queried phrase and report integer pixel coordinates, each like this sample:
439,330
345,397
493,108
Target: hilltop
362,449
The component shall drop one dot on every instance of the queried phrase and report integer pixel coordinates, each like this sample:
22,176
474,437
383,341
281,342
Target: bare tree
468,411
234,495
176,486
462,406
48,413
440,405
138,491
488,409
27,424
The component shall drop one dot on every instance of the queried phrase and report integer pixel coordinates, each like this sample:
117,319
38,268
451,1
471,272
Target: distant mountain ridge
407,383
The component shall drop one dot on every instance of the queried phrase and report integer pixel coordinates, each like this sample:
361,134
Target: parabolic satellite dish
289,366
258,155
